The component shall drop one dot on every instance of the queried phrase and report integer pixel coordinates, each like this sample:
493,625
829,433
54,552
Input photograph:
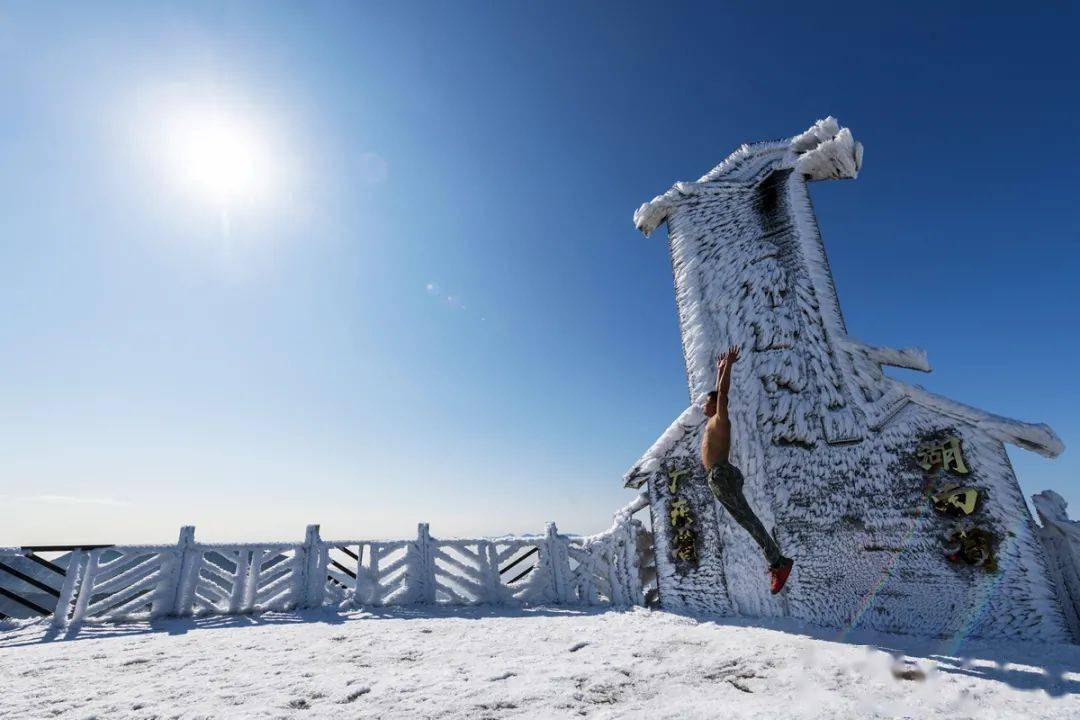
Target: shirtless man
725,480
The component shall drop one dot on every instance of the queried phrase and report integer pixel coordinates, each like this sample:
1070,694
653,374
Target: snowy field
501,663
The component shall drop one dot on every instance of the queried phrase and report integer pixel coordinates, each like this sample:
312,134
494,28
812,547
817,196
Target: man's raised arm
723,373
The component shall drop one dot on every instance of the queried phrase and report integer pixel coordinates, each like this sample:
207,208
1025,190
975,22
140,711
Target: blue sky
440,310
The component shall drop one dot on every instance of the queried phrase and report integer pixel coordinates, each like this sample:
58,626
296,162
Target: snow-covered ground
502,663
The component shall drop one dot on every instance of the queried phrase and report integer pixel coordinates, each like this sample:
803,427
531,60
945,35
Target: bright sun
219,154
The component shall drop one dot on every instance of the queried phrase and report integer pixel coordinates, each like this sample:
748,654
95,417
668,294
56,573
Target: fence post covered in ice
489,559
315,557
423,570
559,563
191,559
632,563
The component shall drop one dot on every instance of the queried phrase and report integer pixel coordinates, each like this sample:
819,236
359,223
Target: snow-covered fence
30,582
1061,538
191,578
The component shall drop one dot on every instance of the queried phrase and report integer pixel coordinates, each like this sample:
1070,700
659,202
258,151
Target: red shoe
779,574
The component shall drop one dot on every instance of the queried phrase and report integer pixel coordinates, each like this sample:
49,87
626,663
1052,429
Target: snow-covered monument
899,506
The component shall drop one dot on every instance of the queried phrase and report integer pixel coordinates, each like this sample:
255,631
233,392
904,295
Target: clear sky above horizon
427,301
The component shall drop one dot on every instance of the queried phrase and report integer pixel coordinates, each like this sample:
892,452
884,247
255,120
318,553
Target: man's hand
723,372
729,357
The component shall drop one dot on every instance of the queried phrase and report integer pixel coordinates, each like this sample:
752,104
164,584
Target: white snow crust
542,663
483,663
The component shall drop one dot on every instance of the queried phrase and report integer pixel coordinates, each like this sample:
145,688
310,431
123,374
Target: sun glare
219,154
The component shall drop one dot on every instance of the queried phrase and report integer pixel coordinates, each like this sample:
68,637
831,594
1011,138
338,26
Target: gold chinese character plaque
947,455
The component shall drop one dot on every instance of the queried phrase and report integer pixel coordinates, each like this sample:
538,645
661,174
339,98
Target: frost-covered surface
826,441
479,663
1061,537
910,358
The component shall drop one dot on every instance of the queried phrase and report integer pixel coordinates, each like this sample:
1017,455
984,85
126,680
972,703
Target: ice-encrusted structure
1061,537
826,441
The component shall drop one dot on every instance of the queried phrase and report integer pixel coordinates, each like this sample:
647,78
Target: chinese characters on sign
946,455
965,542
955,500
973,546
673,480
681,519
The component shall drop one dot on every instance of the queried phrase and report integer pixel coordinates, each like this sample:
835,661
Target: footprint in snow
354,695
735,683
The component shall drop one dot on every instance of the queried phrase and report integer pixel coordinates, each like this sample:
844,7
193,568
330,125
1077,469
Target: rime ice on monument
829,445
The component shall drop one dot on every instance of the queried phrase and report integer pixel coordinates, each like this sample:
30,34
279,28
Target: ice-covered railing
192,578
1061,538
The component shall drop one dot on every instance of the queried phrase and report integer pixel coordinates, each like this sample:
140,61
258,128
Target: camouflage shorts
724,480
726,483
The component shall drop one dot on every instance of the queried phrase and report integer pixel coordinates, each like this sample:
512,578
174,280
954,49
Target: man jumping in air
725,480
